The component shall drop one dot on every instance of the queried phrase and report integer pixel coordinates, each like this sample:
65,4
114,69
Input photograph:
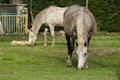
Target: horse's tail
94,26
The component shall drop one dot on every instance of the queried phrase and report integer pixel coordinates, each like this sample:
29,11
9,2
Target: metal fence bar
14,24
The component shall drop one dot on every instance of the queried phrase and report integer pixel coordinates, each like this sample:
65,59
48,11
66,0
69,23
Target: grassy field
22,62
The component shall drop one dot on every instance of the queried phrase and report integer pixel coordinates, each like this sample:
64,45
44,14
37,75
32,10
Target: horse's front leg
45,36
69,61
52,34
70,50
53,40
70,47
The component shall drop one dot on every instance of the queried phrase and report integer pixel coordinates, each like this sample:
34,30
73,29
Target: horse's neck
36,27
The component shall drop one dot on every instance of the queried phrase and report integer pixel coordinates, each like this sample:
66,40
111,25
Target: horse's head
32,37
82,56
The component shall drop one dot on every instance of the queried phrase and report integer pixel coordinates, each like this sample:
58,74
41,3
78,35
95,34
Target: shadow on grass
51,43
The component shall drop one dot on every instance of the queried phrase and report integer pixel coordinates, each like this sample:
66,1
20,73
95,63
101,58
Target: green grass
18,62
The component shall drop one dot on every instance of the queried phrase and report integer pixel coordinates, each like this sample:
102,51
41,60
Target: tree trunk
86,3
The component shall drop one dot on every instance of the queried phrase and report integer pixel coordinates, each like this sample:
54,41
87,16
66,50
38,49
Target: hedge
106,12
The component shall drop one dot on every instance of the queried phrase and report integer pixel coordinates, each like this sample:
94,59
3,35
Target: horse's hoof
83,68
45,44
69,62
86,67
52,44
32,44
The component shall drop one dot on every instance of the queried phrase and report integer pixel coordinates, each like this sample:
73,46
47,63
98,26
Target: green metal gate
14,24
14,18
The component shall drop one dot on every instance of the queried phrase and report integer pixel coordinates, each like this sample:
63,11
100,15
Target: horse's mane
86,29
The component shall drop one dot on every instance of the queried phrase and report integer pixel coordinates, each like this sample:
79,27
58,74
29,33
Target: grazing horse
80,24
51,16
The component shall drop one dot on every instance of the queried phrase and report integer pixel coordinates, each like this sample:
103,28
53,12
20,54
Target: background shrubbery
106,12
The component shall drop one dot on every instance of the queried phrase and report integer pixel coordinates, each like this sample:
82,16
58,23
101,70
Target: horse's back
52,15
70,15
55,15
71,9
75,15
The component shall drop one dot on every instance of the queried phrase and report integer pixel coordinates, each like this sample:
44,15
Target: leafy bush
106,12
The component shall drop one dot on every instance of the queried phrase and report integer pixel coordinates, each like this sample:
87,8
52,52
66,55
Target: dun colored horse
79,23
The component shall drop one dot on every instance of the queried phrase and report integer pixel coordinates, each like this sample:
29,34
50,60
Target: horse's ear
29,27
30,30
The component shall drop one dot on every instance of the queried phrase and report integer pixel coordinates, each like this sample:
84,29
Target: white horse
51,16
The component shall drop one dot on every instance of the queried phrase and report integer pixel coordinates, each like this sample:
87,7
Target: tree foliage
106,12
